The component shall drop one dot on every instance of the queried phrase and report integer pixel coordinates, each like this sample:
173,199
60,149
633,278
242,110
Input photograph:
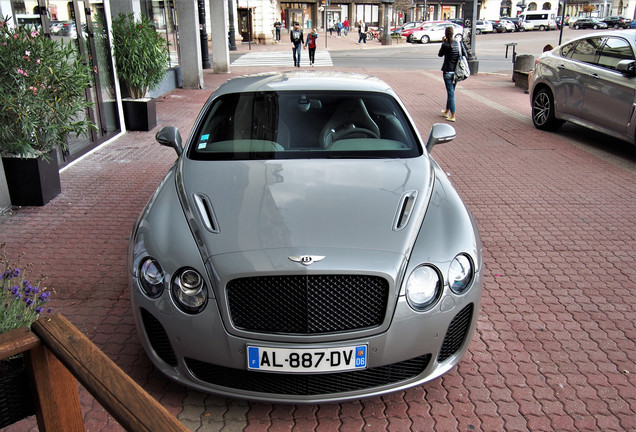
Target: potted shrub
21,303
42,99
141,60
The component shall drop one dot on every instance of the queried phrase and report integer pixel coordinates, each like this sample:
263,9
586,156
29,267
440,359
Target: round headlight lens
460,274
423,287
188,290
151,278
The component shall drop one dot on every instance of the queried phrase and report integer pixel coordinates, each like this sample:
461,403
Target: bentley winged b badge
306,259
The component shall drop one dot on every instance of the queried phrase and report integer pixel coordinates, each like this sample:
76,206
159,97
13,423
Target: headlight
188,291
460,274
423,287
151,278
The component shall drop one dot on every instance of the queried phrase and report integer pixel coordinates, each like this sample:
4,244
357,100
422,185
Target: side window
567,50
587,50
614,50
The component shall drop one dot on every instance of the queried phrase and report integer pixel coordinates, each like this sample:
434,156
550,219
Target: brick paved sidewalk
555,343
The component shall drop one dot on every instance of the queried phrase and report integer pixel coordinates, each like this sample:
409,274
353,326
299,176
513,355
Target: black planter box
140,115
32,181
15,392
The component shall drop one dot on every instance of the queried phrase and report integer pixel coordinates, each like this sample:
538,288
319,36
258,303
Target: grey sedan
305,246
590,81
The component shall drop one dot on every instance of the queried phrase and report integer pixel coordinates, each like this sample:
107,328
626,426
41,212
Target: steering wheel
355,131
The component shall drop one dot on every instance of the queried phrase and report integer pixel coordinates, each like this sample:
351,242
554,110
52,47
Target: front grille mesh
307,304
316,384
456,333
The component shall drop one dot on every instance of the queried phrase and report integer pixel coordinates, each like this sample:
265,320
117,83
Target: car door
609,96
566,71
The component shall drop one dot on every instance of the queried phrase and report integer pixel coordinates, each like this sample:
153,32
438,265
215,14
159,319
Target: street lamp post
231,37
205,54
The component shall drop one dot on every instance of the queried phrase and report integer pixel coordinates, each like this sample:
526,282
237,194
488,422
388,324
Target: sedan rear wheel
616,26
543,111
595,27
576,26
425,39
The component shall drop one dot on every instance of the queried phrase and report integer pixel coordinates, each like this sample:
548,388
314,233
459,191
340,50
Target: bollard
522,66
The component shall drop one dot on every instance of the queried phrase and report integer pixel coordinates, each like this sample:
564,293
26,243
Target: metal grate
307,304
316,384
158,338
456,333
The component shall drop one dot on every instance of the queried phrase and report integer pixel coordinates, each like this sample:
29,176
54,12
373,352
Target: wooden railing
57,354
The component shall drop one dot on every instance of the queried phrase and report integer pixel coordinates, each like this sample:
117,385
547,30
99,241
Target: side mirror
627,67
440,133
170,136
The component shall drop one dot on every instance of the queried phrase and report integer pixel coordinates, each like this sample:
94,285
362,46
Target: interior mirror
440,133
170,136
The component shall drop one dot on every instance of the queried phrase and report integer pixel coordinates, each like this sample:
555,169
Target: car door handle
595,76
561,67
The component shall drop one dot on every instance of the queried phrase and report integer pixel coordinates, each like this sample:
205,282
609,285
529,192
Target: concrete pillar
125,7
190,44
219,22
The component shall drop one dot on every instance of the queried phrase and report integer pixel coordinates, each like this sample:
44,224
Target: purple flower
38,310
45,296
28,301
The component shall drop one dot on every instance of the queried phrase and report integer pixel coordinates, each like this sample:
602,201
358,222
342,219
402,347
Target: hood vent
206,212
404,210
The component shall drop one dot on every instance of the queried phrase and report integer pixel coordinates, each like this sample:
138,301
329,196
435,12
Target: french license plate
306,360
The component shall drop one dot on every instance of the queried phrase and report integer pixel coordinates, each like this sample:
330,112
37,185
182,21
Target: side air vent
404,210
207,214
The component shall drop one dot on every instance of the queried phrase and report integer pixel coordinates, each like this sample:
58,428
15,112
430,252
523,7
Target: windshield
295,124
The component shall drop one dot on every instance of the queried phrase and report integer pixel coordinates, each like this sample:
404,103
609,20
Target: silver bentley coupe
305,247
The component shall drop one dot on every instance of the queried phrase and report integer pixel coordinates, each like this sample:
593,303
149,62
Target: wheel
576,26
543,111
541,28
477,31
595,27
425,39
616,26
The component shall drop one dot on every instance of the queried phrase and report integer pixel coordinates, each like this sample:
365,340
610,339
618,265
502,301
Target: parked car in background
483,26
589,23
508,26
434,33
422,26
513,20
526,25
617,22
407,25
243,287
590,81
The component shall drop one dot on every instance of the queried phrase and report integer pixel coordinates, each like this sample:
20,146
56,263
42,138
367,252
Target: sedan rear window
304,124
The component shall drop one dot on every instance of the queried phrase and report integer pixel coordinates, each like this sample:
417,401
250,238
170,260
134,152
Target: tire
616,26
477,31
576,26
425,39
541,28
543,111
595,27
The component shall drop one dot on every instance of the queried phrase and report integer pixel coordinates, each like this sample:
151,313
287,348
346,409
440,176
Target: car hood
240,206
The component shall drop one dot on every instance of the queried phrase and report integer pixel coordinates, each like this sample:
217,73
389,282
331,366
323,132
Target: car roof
299,80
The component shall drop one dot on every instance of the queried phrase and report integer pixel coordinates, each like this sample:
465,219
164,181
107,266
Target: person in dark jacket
297,40
450,51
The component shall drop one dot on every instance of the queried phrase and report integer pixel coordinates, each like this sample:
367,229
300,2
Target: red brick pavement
554,347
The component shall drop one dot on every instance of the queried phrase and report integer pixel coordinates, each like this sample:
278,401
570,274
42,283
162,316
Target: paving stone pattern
554,346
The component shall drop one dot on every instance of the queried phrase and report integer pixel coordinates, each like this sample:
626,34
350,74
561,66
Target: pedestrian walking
450,51
362,32
330,28
345,26
296,37
277,26
339,28
311,44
